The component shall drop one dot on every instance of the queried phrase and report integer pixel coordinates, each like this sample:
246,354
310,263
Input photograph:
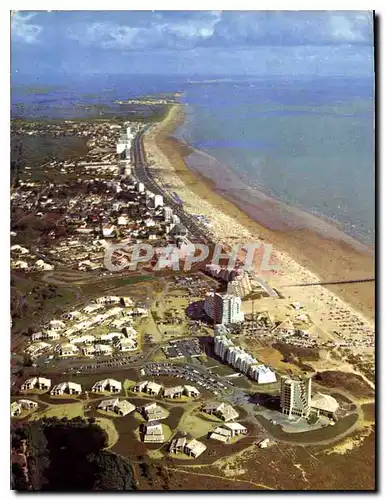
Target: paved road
141,172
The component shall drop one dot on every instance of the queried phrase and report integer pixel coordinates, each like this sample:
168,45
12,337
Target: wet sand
308,249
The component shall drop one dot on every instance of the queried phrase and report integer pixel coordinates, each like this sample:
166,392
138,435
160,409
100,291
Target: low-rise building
221,410
235,428
103,349
107,385
125,344
28,404
177,445
324,404
153,411
88,350
173,392
56,324
82,339
262,374
194,448
153,389
66,388
39,383
227,413
140,386
46,335
121,407
221,434
15,409
191,391
153,433
68,350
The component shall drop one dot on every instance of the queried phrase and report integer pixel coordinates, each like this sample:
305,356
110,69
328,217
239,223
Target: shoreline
304,253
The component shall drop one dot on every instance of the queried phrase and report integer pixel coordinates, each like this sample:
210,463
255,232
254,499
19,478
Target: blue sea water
308,143
305,142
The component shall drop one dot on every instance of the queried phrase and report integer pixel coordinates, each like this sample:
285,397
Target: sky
225,43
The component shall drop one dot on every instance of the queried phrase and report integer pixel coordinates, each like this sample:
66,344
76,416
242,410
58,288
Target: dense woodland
65,455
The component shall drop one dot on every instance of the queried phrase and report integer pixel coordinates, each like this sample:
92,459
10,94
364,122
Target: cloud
285,28
187,30
22,30
158,31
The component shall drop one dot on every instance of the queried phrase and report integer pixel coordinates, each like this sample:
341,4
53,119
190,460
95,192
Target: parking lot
207,381
183,349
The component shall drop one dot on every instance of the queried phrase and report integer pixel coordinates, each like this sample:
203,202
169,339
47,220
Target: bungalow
130,332
51,335
107,385
127,301
40,264
92,308
56,324
140,386
27,404
39,383
20,264
108,404
108,299
194,448
153,433
173,392
87,264
221,434
124,407
153,389
235,428
191,391
68,350
82,339
153,411
227,413
88,350
126,345
19,248
177,445
36,349
103,349
139,311
15,409
66,388
37,336
72,315
111,336
121,407
212,408
221,410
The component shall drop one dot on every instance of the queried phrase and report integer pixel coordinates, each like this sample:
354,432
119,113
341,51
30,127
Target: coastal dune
307,249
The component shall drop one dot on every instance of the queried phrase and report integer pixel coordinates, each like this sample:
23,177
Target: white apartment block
242,360
295,396
240,285
262,374
223,308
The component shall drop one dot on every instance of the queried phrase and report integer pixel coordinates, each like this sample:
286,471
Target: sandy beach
307,250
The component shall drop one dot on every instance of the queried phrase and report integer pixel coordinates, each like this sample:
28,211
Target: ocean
308,143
